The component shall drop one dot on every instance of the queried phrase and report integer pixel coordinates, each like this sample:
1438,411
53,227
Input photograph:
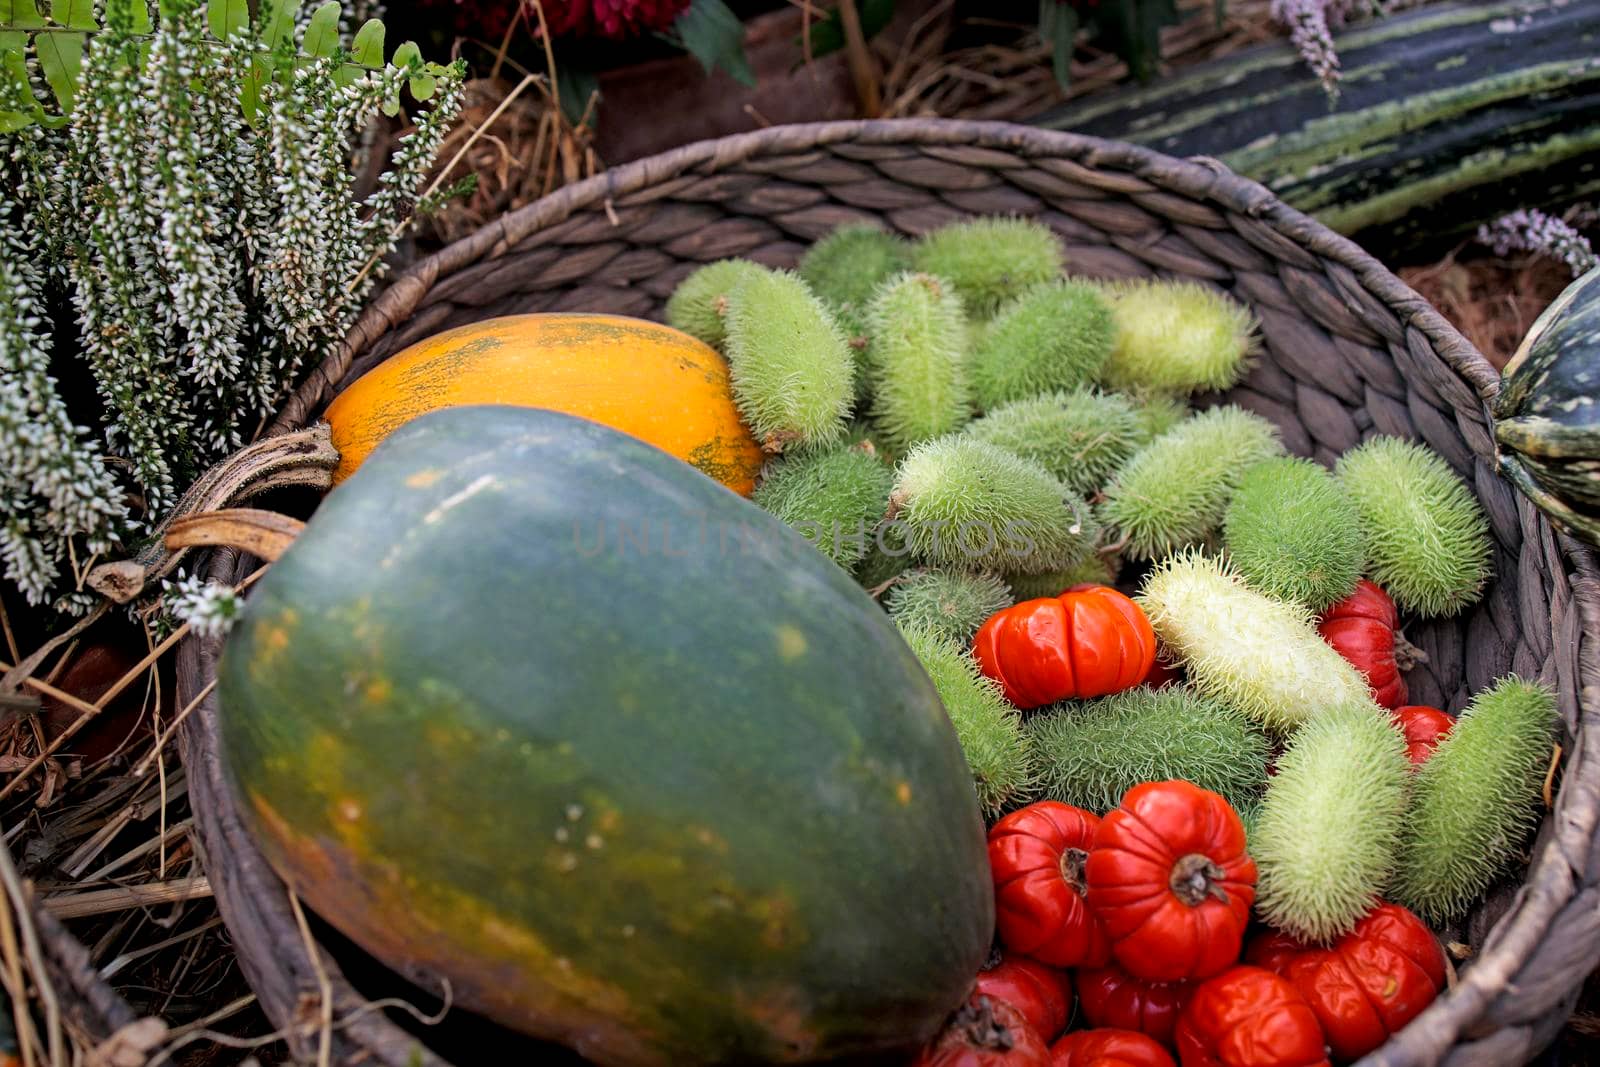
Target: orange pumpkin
644,379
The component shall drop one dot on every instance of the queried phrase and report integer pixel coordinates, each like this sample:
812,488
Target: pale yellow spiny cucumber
1177,337
699,305
915,355
1476,799
792,369
969,504
1080,436
1260,655
950,603
834,497
1090,754
1055,336
845,267
1326,837
1427,537
990,260
989,729
1175,490
1293,532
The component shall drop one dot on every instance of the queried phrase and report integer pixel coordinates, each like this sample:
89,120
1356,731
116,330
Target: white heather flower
209,608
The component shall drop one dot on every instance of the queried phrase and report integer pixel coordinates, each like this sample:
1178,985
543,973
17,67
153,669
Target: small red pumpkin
1109,1048
1037,856
1170,881
1364,628
1111,997
1424,728
1088,642
1042,994
985,1032
1249,1017
1370,983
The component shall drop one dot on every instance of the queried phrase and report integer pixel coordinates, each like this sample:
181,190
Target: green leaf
227,17
277,21
828,35
61,60
250,90
74,14
1133,31
407,54
20,14
576,87
366,51
133,16
367,48
14,70
713,34
322,32
1058,27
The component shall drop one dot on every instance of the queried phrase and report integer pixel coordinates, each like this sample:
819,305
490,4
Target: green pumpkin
682,795
1548,411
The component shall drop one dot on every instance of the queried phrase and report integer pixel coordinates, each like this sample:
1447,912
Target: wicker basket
1350,352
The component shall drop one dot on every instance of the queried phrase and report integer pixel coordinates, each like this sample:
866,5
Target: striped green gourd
1447,117
1547,416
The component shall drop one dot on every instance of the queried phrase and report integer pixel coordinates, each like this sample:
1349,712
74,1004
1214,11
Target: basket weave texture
1351,352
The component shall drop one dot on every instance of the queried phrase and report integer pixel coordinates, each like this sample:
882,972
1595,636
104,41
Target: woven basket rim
1559,873
1199,177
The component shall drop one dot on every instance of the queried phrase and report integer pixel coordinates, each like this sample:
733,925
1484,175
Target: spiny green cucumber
834,498
1089,754
990,260
1260,655
1293,533
914,359
1177,337
1475,799
1175,490
1326,837
952,604
968,504
1427,537
1093,569
845,266
989,729
699,305
1056,335
1081,437
793,373
1158,413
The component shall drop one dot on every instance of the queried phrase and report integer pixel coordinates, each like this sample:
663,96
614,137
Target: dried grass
1492,301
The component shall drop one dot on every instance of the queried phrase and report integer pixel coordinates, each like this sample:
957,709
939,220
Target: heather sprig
1534,231
192,207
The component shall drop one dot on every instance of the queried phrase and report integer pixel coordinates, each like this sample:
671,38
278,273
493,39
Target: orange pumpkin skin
642,378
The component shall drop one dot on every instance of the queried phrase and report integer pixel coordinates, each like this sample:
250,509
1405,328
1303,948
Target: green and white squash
1548,412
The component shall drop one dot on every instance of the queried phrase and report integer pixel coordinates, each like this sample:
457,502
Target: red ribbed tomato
1170,881
1088,642
1424,728
1249,1017
1036,855
985,1032
1109,1048
1111,997
1370,983
1042,994
1364,628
